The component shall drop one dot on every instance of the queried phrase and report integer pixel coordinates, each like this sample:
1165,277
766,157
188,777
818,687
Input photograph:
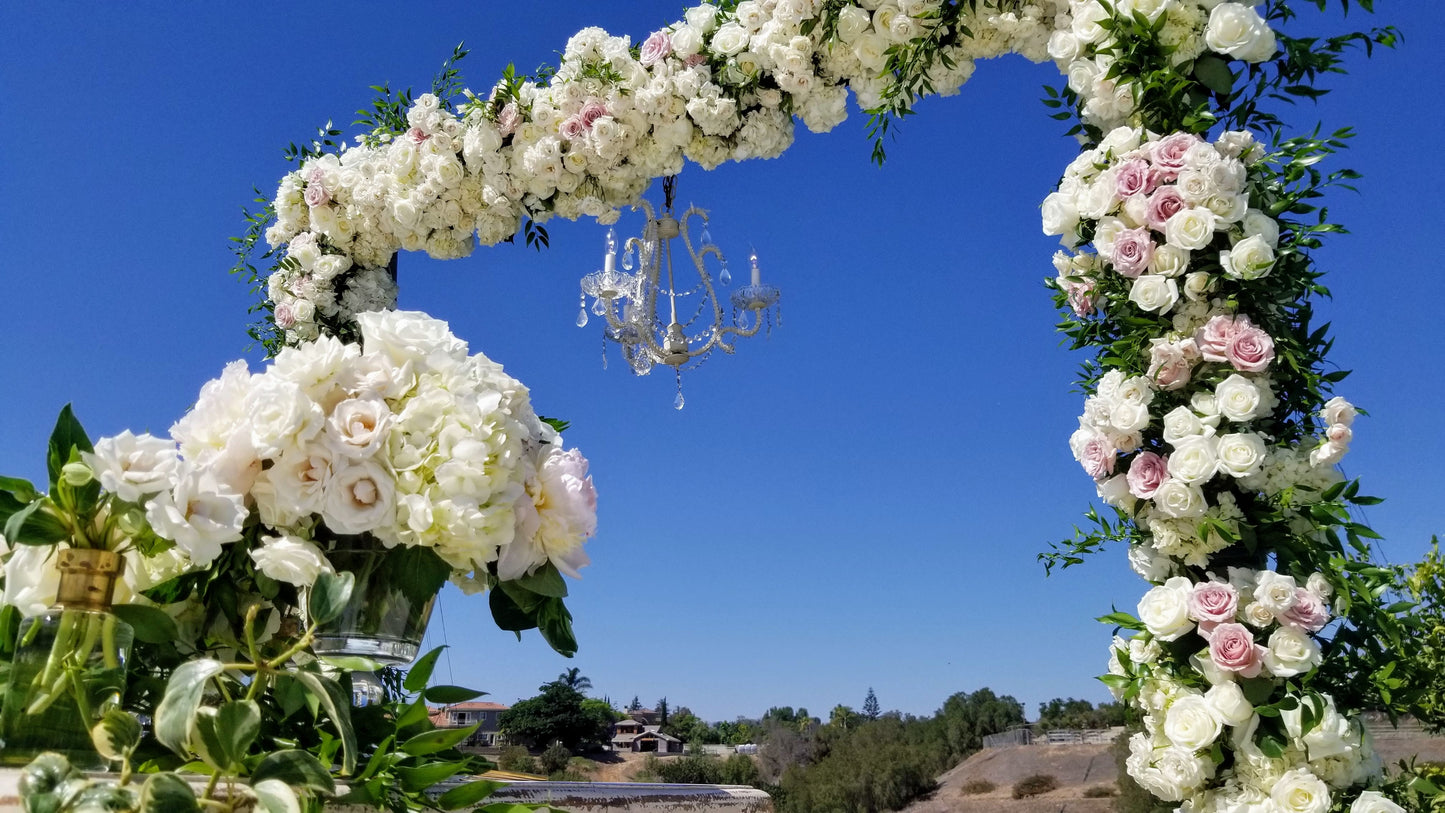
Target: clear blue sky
856,501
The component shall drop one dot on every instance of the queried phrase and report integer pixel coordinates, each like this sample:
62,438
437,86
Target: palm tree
574,679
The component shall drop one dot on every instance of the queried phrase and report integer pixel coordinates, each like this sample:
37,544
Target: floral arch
1209,426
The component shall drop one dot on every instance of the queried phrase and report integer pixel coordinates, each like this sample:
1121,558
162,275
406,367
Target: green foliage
555,758
1100,791
517,759
1061,713
1034,785
870,705
558,714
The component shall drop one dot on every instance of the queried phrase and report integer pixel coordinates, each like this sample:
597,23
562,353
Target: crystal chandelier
651,318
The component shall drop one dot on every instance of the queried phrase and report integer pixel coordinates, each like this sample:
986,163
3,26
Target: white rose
291,559
1150,564
852,21
1169,261
1063,47
1239,31
1197,285
1239,399
1338,410
1332,735
1178,500
1291,652
1194,460
1182,771
1251,258
1229,704
1190,229
1154,294
1372,801
31,578
1241,454
701,17
1320,586
404,336
281,416
1190,723
730,39
1259,224
358,427
1276,591
1300,791
1257,615
360,498
1181,423
686,41
132,466
1165,609
1115,491
1060,217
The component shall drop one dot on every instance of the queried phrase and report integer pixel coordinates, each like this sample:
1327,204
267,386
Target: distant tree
574,679
881,765
515,758
555,758
635,705
686,726
843,718
556,715
662,711
870,705
737,732
1066,713
966,718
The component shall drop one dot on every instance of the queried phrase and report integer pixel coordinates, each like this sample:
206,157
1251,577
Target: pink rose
1164,204
316,195
1135,177
1213,339
1308,613
1097,456
285,317
417,135
508,118
1132,251
1169,154
573,128
1147,472
1250,349
1082,298
694,60
1338,410
1232,648
1172,363
591,112
1339,434
1213,602
656,48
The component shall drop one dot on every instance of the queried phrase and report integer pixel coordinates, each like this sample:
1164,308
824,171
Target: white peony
198,515
403,336
133,466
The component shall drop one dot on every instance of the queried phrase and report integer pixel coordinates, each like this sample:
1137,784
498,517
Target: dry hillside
1076,767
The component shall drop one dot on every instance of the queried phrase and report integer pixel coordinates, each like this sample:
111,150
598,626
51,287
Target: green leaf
68,435
507,614
438,739
338,706
1213,73
1257,690
418,572
22,490
547,581
413,714
33,526
468,794
1123,620
446,695
328,596
275,796
415,780
297,769
1271,746
151,624
353,663
420,673
182,699
167,793
116,735
555,623
238,723
207,742
1424,786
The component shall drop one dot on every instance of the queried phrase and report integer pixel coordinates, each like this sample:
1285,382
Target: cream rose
1237,29
1190,723
1190,229
1154,294
291,559
1372,801
1240,454
1227,702
1165,609
1178,500
1239,399
1291,652
1250,258
1300,791
1194,460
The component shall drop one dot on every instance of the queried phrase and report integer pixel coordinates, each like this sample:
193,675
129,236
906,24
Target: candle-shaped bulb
609,259
757,275
611,240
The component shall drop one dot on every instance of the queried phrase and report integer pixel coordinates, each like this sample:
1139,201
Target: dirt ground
1076,767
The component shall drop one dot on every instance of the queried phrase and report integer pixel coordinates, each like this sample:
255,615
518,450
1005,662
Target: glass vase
69,665
381,621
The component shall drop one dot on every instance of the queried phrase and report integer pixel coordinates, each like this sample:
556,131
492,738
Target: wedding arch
1188,220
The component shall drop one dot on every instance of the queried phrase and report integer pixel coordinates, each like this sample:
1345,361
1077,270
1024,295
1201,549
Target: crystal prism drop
706,236
627,259
582,317
726,277
678,402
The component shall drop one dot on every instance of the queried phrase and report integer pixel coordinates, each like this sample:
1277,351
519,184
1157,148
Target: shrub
974,787
1100,791
516,759
1034,785
555,758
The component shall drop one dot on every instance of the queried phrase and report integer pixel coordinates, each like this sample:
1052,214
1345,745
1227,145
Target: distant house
462,715
632,735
